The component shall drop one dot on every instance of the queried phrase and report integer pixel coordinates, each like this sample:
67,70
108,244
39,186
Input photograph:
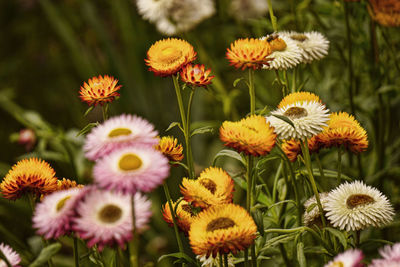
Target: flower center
277,44
188,209
356,200
110,213
170,54
119,131
299,37
209,184
220,223
129,162
296,113
61,203
337,264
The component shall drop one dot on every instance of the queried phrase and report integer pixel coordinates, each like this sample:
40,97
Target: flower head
131,168
308,118
349,258
27,137
285,52
222,229
169,147
248,9
251,135
52,217
248,53
105,217
344,130
385,12
356,206
13,257
185,213
99,90
390,256
314,45
28,176
292,147
213,187
166,57
297,97
196,75
67,184
118,132
312,215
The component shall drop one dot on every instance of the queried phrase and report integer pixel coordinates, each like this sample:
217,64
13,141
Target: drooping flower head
390,257
196,75
213,187
131,168
251,135
314,45
169,147
31,175
118,132
349,258
27,138
385,12
166,57
99,90
308,118
248,53
356,206
52,216
285,52
312,215
292,147
13,257
344,130
222,229
104,218
185,213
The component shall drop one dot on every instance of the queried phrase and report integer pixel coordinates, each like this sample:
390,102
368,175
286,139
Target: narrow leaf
87,128
178,255
285,119
339,235
237,81
172,125
202,130
300,255
229,153
46,254
88,110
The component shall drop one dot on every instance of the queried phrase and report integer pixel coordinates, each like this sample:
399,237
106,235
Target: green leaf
46,254
178,255
179,163
229,153
88,110
173,124
4,258
300,255
237,81
339,235
331,174
281,239
284,118
311,207
259,220
87,128
202,130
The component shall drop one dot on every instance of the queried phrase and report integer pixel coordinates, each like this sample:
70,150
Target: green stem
357,238
133,244
277,175
226,260
321,170
188,135
76,253
246,257
284,255
285,75
252,92
104,109
281,83
3,258
339,171
249,177
294,77
271,15
220,260
253,255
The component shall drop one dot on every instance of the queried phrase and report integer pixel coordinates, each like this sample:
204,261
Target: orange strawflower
385,12
298,97
166,57
184,212
344,130
292,147
99,90
170,148
29,176
251,135
67,183
196,75
249,53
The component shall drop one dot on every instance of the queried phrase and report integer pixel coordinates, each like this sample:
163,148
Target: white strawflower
248,9
286,53
308,117
153,10
311,215
356,206
315,46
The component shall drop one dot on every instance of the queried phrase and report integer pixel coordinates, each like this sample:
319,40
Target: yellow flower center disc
110,213
295,112
220,223
119,131
61,203
337,264
277,44
356,200
299,37
209,184
169,54
129,162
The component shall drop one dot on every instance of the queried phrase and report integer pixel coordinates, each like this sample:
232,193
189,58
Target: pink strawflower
349,258
131,168
391,257
52,217
118,132
105,217
13,258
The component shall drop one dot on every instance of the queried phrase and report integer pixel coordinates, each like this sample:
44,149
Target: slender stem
277,175
253,255
134,246
246,257
285,75
357,238
321,170
284,255
281,83
104,109
252,92
226,260
174,219
350,57
339,168
4,259
294,77
271,15
220,260
249,182
76,253
188,135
